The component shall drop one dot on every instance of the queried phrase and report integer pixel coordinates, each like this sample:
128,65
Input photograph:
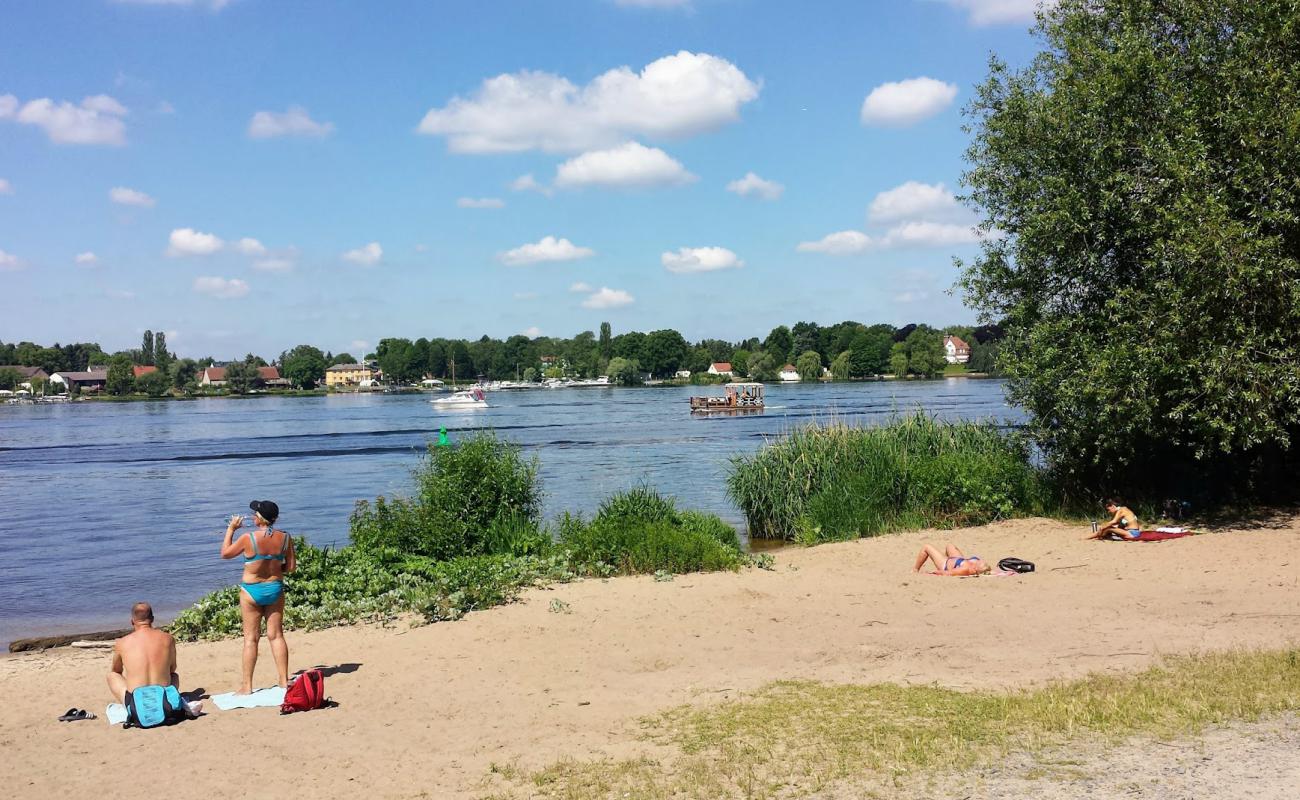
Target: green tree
304,365
146,349
762,367
898,360
154,384
842,366
624,371
342,358
182,371
1142,172
161,357
121,378
779,344
809,366
240,376
740,362
983,357
663,352
606,338
50,359
10,378
925,354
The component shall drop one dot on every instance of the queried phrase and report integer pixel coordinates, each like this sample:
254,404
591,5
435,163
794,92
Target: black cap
269,511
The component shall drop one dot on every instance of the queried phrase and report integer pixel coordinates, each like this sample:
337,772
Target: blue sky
249,175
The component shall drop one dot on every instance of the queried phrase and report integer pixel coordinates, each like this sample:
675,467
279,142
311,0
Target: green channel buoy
442,438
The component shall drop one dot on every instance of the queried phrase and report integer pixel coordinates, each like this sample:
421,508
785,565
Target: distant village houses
359,375
91,380
270,376
722,368
788,374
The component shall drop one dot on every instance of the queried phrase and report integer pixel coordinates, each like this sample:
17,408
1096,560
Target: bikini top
257,556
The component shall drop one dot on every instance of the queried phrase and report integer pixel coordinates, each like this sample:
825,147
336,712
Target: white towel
270,697
115,713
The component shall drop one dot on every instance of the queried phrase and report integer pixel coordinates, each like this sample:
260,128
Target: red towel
1158,536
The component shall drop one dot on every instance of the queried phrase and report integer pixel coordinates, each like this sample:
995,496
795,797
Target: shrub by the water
640,531
469,499
833,482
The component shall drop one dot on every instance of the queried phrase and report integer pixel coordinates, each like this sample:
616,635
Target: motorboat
466,398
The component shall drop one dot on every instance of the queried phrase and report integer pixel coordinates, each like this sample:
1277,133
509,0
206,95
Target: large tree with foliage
121,378
304,365
809,366
240,376
1142,173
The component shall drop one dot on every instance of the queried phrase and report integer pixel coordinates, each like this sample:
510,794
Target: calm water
104,504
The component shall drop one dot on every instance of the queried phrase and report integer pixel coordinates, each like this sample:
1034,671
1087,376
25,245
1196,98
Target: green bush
468,499
640,531
836,482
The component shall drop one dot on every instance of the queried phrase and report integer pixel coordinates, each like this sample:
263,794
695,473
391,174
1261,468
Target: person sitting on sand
952,562
268,556
1123,523
144,657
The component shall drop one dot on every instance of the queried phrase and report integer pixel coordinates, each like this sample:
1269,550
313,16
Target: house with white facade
722,368
955,351
788,374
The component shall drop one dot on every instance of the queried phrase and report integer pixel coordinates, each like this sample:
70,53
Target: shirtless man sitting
147,656
950,562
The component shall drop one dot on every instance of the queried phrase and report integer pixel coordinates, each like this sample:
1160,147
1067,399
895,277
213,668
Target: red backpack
305,693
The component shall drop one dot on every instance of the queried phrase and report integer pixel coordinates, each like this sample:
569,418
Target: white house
722,368
955,351
682,373
788,374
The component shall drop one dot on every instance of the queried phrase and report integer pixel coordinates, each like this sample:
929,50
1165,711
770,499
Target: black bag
1015,565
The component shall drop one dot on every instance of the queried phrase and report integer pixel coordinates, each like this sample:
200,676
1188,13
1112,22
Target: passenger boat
467,398
740,397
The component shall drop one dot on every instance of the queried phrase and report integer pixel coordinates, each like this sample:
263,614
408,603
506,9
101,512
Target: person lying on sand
951,562
144,657
1123,523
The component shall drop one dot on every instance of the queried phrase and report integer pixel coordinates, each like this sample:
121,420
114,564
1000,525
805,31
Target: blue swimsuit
266,593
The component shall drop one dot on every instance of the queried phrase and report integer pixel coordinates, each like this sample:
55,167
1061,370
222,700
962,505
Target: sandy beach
426,711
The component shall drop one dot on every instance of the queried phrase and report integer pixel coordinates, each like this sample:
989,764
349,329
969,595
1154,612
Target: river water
103,504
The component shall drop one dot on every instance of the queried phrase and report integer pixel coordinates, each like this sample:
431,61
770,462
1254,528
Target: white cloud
189,242
130,197
930,234
97,120
293,122
700,259
366,256
751,184
906,102
250,247
6,187
531,333
359,347
481,202
525,295
547,249
993,12
677,95
527,183
221,288
581,286
120,294
915,200
911,297
605,297
630,165
841,243
9,262
87,258
274,264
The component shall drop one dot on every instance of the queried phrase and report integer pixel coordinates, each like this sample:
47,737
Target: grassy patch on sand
794,738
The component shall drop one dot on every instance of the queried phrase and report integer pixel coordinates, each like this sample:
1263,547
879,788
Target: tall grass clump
826,482
640,531
478,497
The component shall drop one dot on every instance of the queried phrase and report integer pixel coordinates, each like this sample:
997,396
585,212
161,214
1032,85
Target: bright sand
429,709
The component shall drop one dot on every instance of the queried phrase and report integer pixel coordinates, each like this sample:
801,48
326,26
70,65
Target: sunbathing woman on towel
951,562
1123,523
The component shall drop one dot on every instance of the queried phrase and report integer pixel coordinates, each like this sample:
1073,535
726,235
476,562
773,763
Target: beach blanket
1160,535
270,697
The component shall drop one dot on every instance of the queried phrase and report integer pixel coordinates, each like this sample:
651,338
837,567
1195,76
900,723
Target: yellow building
350,375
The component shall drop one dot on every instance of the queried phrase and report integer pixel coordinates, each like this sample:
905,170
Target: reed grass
796,738
835,481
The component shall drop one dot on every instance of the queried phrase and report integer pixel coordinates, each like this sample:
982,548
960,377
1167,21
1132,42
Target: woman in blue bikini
268,555
950,562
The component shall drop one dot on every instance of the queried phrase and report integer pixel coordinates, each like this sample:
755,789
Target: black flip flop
70,715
